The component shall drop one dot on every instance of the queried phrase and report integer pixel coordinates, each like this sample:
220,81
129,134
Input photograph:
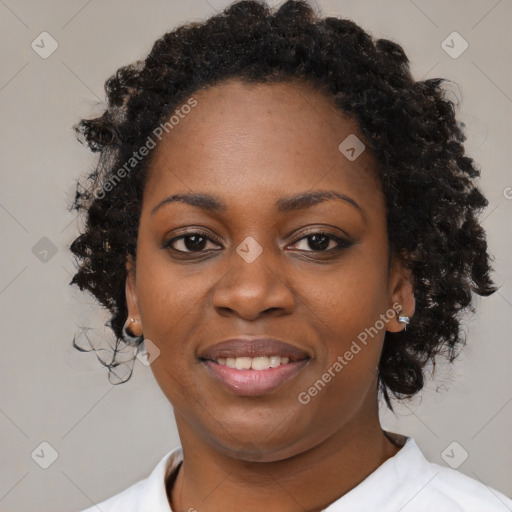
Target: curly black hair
409,126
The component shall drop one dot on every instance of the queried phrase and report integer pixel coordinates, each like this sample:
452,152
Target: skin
250,145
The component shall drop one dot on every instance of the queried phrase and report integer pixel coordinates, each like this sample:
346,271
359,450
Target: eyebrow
299,201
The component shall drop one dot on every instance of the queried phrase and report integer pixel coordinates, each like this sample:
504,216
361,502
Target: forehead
265,139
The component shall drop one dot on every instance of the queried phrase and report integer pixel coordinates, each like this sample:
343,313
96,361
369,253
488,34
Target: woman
285,223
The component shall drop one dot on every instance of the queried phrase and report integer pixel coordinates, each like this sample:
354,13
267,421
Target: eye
320,241
197,242
189,243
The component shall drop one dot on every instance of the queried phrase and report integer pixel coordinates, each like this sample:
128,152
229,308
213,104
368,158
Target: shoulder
442,488
146,494
408,482
451,487
127,500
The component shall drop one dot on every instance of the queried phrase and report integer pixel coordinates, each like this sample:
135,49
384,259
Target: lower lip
254,382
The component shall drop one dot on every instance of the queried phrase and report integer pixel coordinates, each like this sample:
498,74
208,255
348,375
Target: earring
404,320
128,335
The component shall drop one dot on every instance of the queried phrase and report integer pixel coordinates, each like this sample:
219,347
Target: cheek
348,304
170,308
165,293
354,293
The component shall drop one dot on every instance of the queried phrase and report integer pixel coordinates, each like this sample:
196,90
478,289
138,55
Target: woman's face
253,266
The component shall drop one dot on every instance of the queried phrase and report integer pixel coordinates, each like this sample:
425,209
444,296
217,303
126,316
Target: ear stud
404,320
129,337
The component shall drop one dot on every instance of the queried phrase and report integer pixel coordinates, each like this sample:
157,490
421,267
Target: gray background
107,437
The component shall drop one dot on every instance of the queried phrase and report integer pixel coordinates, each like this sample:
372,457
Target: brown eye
189,243
322,242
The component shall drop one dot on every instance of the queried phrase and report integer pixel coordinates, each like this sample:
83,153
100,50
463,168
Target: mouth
253,363
253,367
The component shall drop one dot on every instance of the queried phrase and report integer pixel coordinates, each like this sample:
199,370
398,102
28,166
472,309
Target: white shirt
406,482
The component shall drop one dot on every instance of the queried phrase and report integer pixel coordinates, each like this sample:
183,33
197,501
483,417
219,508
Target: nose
253,289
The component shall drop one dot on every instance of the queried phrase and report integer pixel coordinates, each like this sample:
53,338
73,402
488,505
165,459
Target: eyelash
342,243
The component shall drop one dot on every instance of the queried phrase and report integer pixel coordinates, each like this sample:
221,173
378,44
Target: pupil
322,245
195,245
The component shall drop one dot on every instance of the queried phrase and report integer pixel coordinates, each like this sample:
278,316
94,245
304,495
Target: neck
209,480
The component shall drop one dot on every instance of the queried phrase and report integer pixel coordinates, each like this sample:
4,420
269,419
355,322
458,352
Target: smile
253,363
255,376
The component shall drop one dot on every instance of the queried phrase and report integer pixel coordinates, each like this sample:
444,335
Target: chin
261,448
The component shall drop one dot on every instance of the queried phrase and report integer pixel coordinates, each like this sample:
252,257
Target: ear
401,294
131,297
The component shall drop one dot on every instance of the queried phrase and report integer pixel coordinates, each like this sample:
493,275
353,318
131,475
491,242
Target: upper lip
253,347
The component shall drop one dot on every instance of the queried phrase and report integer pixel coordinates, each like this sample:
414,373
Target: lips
255,347
231,363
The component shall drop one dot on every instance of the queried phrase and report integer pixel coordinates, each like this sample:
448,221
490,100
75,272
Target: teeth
260,363
274,361
254,363
243,363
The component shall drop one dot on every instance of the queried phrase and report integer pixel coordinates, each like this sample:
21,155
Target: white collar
406,482
154,490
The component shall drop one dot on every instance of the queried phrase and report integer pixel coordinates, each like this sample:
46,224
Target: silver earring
128,335
404,320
